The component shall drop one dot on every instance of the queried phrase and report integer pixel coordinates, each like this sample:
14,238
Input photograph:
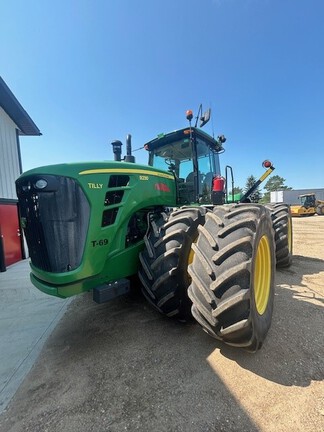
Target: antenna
212,124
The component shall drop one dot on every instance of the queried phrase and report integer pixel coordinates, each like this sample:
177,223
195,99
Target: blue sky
89,72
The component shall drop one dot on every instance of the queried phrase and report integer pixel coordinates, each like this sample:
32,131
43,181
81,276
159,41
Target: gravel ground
121,366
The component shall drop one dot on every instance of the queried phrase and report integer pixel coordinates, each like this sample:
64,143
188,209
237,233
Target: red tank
218,184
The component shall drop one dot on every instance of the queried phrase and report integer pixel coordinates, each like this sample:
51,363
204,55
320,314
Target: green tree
256,195
238,190
275,183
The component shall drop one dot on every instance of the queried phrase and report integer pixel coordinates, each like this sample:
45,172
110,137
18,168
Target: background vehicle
95,225
309,206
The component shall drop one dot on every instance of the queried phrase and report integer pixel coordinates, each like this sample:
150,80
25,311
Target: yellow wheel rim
192,253
289,235
262,275
191,256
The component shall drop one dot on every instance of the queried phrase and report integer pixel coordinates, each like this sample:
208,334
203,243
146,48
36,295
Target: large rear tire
232,273
282,226
164,261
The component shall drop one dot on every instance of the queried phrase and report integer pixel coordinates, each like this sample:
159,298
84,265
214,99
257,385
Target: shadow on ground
123,366
293,352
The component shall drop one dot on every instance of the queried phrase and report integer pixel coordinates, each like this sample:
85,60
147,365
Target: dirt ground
121,366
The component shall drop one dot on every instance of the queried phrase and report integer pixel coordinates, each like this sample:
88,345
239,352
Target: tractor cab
192,157
307,200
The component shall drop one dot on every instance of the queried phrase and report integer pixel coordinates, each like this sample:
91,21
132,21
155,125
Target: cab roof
182,135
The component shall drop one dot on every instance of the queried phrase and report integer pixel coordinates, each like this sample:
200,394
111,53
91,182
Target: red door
10,232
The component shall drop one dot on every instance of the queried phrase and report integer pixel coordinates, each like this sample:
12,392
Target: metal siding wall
9,160
291,196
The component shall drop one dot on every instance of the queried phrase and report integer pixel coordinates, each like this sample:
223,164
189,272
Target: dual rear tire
282,227
232,273
217,266
164,261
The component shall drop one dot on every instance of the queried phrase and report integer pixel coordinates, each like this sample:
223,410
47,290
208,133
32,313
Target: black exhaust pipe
129,157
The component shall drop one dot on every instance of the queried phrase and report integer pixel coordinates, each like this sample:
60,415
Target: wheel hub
262,275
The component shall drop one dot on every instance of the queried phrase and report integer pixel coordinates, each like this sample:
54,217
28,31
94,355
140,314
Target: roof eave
16,112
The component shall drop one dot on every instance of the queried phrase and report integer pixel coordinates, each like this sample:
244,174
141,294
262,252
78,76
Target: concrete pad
27,317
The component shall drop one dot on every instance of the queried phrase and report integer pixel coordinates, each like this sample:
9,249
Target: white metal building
291,196
14,122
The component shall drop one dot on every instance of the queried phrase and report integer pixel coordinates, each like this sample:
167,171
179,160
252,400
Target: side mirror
205,118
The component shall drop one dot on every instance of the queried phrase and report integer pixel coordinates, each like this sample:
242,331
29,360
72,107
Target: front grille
55,221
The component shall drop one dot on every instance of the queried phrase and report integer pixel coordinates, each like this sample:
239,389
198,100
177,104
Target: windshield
178,158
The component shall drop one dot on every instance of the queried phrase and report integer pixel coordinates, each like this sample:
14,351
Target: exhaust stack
129,157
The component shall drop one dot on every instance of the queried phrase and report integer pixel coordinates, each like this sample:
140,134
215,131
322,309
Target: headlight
41,184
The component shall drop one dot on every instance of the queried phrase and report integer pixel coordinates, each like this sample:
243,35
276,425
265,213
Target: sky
91,71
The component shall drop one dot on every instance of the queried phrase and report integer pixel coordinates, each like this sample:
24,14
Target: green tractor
197,249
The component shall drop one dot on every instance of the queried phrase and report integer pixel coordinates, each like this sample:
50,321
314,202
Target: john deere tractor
197,249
